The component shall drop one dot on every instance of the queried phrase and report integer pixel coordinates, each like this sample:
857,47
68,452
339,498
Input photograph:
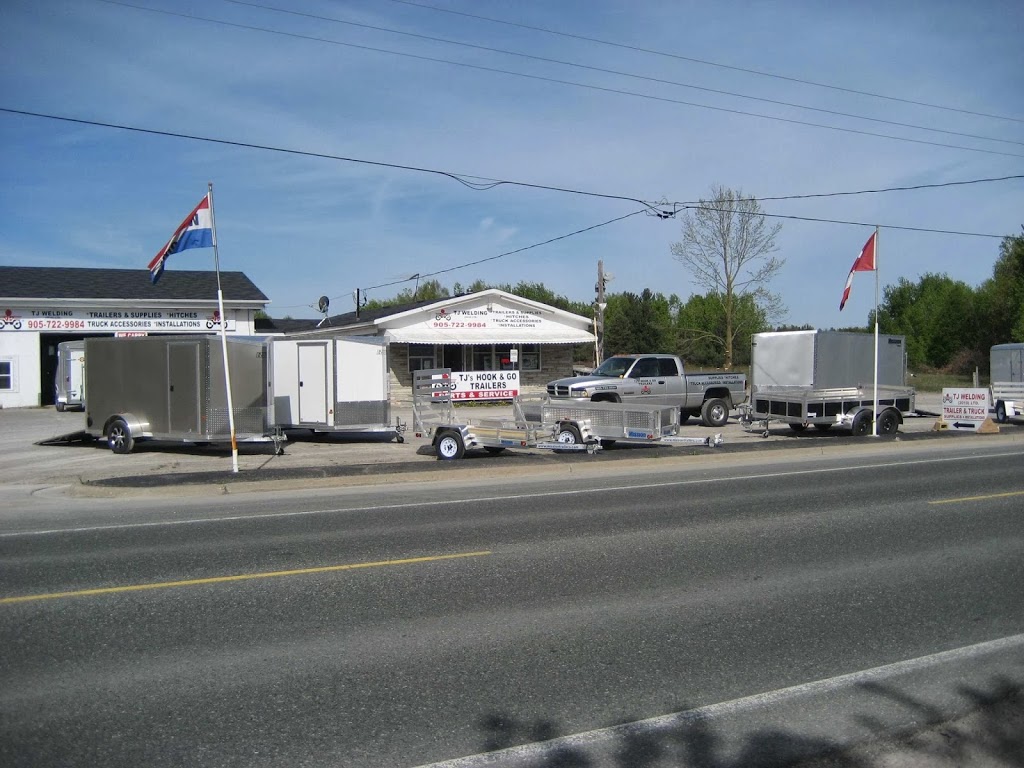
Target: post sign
485,385
964,408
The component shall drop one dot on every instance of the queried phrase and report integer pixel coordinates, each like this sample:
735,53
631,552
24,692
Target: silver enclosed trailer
339,384
173,388
69,381
826,379
1006,372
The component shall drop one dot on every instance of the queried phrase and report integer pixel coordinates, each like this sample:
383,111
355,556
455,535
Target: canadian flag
864,263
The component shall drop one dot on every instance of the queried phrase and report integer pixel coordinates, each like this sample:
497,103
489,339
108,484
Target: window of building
529,357
483,358
6,375
421,357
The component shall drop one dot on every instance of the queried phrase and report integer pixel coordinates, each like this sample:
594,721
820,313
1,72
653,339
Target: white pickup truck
657,379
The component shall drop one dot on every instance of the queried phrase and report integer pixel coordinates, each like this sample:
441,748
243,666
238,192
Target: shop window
6,375
421,357
483,358
529,357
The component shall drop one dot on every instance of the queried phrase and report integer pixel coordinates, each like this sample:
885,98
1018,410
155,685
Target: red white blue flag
864,263
196,231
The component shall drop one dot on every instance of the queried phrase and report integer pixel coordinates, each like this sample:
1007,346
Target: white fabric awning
544,335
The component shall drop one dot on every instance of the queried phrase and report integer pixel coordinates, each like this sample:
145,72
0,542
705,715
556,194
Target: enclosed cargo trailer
69,381
1006,372
173,388
338,384
825,379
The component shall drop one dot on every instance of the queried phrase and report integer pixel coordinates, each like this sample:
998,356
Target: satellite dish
323,303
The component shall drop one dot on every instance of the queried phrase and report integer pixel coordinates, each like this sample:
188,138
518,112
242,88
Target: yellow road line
979,498
239,577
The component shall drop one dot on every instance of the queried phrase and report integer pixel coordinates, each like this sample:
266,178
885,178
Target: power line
509,253
557,81
654,208
679,57
632,75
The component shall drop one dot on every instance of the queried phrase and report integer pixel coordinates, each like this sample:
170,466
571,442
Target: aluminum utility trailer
851,408
69,381
173,388
338,384
453,433
633,423
1006,369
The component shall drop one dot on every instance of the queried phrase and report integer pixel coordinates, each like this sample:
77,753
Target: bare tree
727,246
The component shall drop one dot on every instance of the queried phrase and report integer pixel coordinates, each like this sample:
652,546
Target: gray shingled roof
121,284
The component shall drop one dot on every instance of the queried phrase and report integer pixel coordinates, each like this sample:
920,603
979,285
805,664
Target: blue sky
76,195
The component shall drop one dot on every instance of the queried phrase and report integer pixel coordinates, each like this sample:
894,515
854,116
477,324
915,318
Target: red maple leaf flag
864,263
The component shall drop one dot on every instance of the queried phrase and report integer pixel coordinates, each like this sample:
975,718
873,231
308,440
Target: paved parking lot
91,467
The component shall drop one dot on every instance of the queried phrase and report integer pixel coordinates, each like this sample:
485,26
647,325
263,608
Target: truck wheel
119,437
888,423
862,424
569,434
450,447
715,412
1001,412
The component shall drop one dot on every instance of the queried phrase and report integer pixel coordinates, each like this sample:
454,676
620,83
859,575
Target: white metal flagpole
875,413
223,334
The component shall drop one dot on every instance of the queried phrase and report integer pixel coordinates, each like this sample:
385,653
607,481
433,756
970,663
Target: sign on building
485,385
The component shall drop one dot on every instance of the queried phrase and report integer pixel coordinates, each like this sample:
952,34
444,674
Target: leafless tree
727,246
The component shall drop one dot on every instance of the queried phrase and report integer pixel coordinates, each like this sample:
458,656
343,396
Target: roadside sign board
964,408
485,385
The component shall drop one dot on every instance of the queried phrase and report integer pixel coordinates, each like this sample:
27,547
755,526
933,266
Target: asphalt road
405,624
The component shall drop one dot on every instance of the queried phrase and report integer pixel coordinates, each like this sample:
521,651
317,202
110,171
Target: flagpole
874,421
223,334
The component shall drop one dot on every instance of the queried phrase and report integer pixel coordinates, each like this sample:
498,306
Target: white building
43,306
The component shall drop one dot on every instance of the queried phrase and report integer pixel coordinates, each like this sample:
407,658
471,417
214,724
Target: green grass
934,382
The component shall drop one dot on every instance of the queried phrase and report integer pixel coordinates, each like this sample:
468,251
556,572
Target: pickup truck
657,379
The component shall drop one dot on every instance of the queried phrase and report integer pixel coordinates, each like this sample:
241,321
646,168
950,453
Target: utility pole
599,307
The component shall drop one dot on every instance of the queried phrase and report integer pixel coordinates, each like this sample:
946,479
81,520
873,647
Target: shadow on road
992,733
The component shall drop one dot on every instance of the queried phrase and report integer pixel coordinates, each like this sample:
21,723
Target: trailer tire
60,406
888,422
1001,412
715,412
450,446
569,434
119,437
861,424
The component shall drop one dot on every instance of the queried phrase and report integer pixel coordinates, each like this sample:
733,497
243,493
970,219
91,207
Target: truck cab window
645,368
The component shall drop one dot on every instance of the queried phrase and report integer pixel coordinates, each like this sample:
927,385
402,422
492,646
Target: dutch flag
196,231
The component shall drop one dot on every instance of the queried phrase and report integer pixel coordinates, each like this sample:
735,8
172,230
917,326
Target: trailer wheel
862,424
569,434
450,447
60,406
119,437
888,422
1001,412
715,412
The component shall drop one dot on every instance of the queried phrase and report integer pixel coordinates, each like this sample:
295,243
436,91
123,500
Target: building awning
546,335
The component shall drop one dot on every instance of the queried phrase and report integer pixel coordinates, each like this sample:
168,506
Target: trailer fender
139,427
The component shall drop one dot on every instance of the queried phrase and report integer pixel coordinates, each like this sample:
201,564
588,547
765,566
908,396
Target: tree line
727,248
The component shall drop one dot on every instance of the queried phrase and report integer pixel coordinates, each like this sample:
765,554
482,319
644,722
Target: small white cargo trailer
69,381
339,384
1006,372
